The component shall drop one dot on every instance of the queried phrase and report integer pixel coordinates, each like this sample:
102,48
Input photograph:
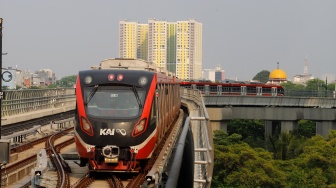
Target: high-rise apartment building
142,41
157,43
189,49
176,46
128,39
171,47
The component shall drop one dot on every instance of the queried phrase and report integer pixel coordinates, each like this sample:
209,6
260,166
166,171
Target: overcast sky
242,36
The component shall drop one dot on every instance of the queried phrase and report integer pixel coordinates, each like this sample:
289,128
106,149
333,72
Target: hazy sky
242,36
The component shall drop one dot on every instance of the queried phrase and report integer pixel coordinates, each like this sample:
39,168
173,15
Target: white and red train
246,89
124,108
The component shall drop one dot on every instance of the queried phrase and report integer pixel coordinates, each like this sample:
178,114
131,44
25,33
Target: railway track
29,145
58,162
116,180
12,128
15,166
131,180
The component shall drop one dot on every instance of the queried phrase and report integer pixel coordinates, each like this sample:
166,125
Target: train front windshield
114,102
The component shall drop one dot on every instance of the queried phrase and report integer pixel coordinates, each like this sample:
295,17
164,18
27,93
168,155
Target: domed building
277,76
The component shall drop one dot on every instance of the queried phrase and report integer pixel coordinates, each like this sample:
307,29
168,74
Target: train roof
130,64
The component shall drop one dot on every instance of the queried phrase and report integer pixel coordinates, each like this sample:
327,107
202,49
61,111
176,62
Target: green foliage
313,88
67,81
310,162
52,86
34,87
291,86
332,135
238,165
332,87
262,76
306,129
316,84
318,160
252,131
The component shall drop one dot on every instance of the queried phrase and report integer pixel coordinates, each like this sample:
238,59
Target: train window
115,102
207,89
153,111
274,91
219,90
259,91
243,90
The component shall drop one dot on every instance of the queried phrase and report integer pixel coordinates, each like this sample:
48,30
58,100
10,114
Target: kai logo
112,131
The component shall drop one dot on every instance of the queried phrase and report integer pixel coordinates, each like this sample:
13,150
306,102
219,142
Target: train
240,88
124,108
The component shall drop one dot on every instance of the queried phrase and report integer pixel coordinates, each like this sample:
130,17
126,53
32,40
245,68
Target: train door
243,90
259,91
219,90
207,89
274,91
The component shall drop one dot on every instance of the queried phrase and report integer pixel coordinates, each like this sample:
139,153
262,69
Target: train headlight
88,79
139,128
86,126
107,151
143,80
110,151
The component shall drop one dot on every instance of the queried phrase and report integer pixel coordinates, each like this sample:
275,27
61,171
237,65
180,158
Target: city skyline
243,37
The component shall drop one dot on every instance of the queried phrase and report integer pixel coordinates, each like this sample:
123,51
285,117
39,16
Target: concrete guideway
36,114
202,135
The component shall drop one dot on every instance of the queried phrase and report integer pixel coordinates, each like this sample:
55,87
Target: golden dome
278,74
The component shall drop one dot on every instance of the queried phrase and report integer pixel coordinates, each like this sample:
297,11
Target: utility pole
1,20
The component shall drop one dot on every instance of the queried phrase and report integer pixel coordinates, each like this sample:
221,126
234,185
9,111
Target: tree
262,76
52,86
252,131
316,84
34,87
332,87
306,129
291,86
318,160
239,165
67,81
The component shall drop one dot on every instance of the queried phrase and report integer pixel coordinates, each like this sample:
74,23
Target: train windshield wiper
93,91
137,96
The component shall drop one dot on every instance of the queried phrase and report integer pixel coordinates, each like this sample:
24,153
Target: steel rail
54,156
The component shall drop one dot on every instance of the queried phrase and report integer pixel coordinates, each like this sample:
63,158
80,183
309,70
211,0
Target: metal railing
23,101
202,135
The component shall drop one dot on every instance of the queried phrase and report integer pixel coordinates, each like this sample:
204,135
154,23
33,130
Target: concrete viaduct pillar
268,129
325,118
324,127
287,126
219,125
